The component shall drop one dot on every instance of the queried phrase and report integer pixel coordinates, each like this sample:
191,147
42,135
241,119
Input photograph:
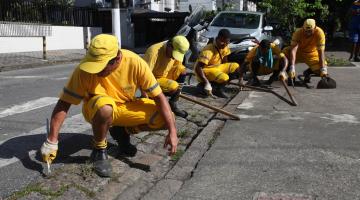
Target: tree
290,13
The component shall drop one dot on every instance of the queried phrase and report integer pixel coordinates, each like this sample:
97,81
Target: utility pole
115,14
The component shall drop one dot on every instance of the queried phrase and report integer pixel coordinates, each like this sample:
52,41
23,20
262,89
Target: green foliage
337,62
177,155
209,15
228,6
184,133
289,13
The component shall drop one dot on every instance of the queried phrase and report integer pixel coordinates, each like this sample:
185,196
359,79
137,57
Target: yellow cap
309,24
180,46
102,49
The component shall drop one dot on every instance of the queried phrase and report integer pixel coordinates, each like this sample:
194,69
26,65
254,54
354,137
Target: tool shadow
24,147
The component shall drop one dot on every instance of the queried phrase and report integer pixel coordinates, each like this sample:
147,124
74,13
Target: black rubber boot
219,90
176,110
307,75
234,75
101,162
272,78
122,137
201,90
174,98
254,81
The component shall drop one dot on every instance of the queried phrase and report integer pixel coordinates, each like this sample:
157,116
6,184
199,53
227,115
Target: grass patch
86,170
38,189
211,142
177,155
47,192
336,62
88,192
183,133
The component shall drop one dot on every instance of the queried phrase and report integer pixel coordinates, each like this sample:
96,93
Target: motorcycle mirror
268,28
186,20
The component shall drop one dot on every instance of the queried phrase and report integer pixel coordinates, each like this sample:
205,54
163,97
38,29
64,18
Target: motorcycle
195,29
194,24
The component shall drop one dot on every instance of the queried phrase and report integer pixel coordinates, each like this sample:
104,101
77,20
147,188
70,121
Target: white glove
283,76
208,87
323,72
48,151
292,72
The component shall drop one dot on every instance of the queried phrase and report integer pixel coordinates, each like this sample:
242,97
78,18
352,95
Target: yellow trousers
140,112
219,73
311,59
263,70
168,84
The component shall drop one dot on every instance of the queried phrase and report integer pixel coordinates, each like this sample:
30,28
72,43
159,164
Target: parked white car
247,29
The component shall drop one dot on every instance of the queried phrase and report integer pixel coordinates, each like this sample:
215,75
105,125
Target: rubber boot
201,90
101,162
255,68
234,75
272,78
307,75
122,136
174,98
219,90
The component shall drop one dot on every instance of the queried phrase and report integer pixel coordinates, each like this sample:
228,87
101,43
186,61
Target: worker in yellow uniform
264,59
106,81
307,46
212,67
165,61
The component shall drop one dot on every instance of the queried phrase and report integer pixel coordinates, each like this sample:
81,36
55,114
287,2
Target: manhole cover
281,196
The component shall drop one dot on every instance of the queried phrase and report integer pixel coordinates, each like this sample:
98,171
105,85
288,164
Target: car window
237,20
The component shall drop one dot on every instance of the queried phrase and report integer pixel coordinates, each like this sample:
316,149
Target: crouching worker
212,67
307,46
165,61
264,59
106,81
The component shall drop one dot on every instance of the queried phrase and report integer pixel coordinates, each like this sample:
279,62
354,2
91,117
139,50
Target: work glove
292,72
283,76
48,151
208,88
323,72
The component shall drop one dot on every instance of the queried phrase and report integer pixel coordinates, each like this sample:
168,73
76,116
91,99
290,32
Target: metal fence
31,12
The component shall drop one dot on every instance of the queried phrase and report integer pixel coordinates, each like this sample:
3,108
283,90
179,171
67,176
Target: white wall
162,4
20,44
208,4
63,37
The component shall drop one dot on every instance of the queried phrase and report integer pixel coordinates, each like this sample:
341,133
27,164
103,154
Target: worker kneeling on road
264,59
165,61
106,81
307,46
212,67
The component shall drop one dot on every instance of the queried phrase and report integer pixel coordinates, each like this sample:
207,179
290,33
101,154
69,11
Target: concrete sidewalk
278,151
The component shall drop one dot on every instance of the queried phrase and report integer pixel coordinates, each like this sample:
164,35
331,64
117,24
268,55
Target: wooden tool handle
210,107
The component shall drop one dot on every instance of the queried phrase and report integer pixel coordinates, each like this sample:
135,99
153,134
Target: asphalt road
306,152
27,98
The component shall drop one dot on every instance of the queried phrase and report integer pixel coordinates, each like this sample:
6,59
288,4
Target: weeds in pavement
336,62
177,155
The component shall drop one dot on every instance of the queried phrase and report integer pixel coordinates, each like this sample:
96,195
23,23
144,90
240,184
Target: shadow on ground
23,146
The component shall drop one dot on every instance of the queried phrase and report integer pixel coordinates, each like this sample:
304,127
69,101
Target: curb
36,65
166,189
